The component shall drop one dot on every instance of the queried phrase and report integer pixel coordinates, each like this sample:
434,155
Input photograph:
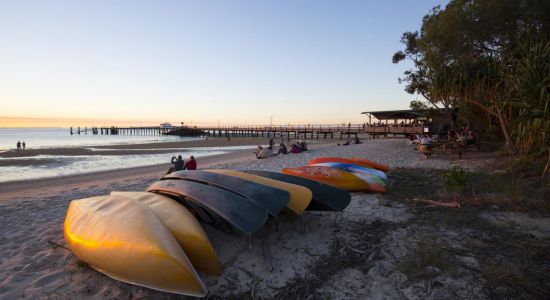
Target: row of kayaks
356,175
154,238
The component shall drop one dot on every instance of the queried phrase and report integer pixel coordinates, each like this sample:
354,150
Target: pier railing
288,131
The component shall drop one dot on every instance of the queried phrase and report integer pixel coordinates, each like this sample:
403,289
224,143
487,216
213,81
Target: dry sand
352,254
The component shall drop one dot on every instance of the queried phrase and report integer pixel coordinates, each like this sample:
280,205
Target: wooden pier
284,131
312,131
114,130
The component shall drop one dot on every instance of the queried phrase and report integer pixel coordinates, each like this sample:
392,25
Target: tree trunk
505,130
497,112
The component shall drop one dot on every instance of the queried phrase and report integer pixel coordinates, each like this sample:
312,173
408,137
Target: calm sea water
60,165
61,137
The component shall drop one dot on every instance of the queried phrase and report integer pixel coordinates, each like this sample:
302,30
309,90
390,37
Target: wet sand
145,148
34,187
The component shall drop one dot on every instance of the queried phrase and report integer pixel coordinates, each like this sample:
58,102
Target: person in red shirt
191,164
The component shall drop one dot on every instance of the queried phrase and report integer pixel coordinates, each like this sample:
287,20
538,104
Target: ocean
61,137
43,166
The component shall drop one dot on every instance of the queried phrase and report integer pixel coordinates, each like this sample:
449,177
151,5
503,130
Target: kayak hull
331,176
357,161
125,240
272,199
325,197
218,207
300,196
185,228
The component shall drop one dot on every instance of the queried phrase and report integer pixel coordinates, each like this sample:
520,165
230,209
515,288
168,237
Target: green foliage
528,83
427,261
491,59
457,178
418,105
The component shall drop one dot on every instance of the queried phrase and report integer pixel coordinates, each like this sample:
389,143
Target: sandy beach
355,254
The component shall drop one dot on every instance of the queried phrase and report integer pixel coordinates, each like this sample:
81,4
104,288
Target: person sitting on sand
282,149
425,140
295,149
344,144
425,145
191,164
178,164
257,152
302,145
263,152
356,140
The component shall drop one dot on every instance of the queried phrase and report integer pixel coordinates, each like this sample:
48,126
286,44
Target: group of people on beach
298,147
355,141
463,137
179,164
21,145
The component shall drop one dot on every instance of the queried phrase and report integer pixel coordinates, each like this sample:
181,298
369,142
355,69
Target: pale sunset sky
76,63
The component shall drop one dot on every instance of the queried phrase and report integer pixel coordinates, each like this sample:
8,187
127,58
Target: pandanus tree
493,55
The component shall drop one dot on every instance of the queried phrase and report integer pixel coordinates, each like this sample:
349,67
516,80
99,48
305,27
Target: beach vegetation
487,62
457,178
425,261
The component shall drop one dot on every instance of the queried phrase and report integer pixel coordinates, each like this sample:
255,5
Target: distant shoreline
23,188
149,148
138,148
32,187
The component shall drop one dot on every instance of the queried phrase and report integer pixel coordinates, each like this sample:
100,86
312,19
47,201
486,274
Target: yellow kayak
124,239
185,228
300,196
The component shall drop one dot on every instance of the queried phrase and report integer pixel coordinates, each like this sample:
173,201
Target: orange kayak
335,177
357,161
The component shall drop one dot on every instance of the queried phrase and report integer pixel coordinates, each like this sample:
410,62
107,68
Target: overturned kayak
357,161
125,240
273,199
325,197
335,177
300,196
226,210
185,228
354,169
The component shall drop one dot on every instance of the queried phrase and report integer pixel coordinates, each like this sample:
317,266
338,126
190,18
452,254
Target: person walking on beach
18,145
191,164
23,145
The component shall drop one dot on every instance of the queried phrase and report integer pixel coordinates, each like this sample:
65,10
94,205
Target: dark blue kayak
325,197
221,208
272,199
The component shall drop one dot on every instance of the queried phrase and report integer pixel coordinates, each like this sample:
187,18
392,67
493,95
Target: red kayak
335,177
356,161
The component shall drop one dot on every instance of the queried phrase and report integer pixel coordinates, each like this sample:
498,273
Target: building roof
396,114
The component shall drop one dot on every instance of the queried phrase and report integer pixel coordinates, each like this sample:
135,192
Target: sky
202,62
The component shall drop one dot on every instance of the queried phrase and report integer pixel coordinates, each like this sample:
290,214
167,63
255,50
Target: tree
464,55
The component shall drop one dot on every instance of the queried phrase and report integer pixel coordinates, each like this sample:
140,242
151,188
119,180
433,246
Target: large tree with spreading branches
493,55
